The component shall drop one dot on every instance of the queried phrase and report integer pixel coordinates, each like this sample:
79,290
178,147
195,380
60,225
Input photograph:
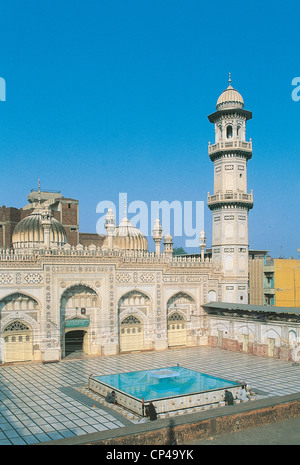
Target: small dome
168,238
128,237
29,232
230,98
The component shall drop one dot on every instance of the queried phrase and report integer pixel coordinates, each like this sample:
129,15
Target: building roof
232,307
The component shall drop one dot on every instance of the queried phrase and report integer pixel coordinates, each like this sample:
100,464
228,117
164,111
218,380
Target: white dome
128,237
230,98
29,232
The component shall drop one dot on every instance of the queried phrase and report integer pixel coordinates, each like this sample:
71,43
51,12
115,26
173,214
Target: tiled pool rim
165,404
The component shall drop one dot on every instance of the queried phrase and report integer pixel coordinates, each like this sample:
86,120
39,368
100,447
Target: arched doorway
131,334
180,307
134,307
80,310
76,342
18,341
176,330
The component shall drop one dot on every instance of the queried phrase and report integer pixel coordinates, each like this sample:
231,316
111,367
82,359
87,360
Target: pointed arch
11,297
77,288
181,295
177,329
17,340
179,308
132,292
80,304
134,308
19,310
131,333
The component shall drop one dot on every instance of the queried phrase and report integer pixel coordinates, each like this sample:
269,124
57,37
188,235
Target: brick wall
9,217
69,217
87,239
260,350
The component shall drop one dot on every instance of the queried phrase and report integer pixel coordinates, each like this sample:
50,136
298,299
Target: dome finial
39,193
125,206
229,80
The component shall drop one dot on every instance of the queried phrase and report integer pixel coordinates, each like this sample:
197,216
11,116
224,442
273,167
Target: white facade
119,297
109,292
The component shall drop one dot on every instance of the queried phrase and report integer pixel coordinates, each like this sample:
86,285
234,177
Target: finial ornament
229,80
39,192
125,206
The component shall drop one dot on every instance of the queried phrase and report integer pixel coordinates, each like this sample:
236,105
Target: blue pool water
164,382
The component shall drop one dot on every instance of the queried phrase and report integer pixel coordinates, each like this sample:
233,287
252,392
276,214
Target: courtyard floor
43,402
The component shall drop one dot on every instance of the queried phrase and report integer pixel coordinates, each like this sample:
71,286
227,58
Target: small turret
168,245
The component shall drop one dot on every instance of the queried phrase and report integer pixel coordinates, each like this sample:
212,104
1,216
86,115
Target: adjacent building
274,281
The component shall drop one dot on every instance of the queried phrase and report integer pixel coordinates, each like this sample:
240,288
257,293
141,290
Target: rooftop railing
93,251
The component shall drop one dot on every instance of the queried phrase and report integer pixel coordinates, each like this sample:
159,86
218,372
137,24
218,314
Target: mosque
63,291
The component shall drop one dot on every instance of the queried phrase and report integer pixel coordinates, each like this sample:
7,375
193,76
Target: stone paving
43,402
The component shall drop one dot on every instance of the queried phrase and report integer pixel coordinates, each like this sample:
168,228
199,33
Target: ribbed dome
168,238
128,237
230,98
29,232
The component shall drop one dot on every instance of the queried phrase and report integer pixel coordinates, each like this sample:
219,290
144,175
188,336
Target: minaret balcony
230,198
228,145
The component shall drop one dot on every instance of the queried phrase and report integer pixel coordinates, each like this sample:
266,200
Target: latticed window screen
130,320
16,326
175,317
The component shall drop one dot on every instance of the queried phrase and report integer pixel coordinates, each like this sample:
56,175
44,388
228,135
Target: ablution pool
170,389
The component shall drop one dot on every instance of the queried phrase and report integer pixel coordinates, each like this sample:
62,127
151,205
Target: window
229,132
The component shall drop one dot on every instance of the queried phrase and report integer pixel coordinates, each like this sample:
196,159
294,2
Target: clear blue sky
110,96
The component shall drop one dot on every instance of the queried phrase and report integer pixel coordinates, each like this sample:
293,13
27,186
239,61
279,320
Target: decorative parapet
230,198
8,255
235,144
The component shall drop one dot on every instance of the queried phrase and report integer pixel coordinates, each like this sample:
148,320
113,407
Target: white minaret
202,243
46,224
157,235
230,202
110,226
